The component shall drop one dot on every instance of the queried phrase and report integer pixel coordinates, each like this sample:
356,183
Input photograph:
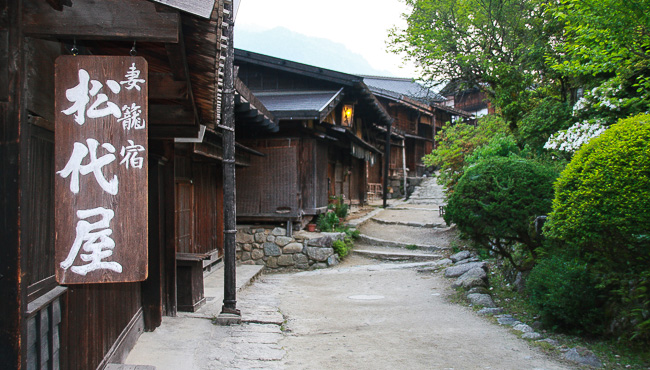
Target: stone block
582,356
484,300
475,277
270,239
319,254
301,259
278,231
250,262
292,248
286,260
333,260
245,256
271,250
272,262
283,240
247,247
260,237
460,256
458,270
257,254
322,242
244,238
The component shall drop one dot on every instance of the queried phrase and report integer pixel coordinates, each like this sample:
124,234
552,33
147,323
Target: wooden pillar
229,312
13,287
169,255
152,288
387,161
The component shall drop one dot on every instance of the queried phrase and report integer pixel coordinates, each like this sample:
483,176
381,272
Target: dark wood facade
87,326
316,154
417,119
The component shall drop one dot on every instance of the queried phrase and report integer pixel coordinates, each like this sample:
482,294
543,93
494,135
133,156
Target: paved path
362,314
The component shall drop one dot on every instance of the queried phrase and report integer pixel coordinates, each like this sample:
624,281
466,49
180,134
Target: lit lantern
348,113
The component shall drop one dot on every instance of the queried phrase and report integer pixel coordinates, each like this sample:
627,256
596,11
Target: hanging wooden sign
101,169
202,8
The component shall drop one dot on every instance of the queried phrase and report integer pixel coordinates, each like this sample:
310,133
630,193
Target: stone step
365,239
411,224
396,256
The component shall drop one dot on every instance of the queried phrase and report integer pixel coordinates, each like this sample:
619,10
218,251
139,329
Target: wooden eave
250,113
183,52
243,56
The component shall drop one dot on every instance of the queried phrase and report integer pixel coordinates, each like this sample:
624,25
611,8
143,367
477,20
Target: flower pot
311,227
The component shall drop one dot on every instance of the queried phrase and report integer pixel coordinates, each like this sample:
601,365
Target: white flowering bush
574,137
612,100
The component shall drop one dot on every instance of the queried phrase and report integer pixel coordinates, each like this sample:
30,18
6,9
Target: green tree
458,141
498,45
606,44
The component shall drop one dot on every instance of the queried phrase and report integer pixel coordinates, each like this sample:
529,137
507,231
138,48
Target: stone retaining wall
269,246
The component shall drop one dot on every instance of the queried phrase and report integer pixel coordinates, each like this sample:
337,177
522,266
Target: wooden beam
164,86
13,281
101,20
160,114
180,69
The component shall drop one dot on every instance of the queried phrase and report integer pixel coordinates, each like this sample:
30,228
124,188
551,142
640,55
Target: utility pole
229,313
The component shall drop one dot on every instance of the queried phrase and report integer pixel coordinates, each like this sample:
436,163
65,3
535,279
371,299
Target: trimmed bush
565,293
601,212
495,203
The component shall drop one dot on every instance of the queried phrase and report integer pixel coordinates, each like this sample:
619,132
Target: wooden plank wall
94,317
207,211
271,182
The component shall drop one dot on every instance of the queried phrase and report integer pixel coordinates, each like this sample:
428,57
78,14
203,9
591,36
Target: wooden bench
189,280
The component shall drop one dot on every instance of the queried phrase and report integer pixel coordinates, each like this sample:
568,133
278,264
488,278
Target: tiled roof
401,86
297,104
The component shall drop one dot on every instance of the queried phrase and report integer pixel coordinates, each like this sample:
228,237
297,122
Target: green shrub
565,294
601,211
339,206
501,145
495,203
343,247
327,222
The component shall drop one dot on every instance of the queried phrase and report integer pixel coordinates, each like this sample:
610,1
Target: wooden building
469,99
330,136
419,114
46,325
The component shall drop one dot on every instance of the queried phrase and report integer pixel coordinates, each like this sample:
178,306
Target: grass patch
412,247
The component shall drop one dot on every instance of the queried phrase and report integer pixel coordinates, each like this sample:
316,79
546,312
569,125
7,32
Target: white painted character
96,241
74,167
130,154
132,78
80,97
131,118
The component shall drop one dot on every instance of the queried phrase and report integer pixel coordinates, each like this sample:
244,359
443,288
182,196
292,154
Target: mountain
282,43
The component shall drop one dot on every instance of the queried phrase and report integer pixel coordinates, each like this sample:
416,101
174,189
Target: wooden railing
375,192
43,320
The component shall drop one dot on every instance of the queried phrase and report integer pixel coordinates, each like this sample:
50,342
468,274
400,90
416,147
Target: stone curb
387,243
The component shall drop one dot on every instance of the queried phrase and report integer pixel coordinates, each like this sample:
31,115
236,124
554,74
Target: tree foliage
458,141
498,45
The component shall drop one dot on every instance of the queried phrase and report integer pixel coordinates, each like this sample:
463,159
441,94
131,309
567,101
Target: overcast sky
361,25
